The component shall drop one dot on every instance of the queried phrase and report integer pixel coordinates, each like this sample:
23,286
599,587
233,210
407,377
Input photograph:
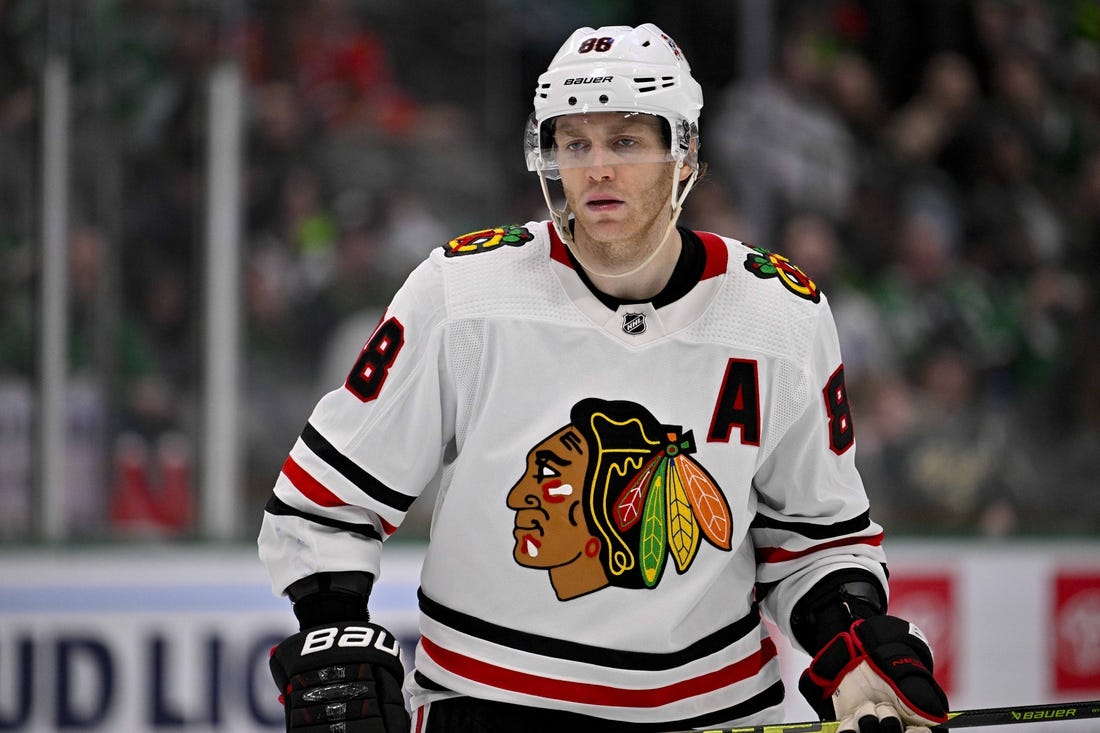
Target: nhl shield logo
634,323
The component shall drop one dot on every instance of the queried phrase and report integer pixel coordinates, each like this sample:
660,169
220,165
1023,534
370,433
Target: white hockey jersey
621,493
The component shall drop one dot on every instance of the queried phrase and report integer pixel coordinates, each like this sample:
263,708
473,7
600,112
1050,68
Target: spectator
785,147
930,293
854,91
923,128
961,465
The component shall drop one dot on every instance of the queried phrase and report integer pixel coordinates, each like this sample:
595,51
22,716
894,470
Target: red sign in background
929,601
1076,630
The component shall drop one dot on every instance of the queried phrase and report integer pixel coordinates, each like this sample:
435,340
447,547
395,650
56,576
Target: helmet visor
602,138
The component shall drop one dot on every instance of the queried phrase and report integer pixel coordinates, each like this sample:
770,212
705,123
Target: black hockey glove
877,676
341,678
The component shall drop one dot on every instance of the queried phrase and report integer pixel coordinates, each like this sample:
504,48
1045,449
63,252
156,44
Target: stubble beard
632,243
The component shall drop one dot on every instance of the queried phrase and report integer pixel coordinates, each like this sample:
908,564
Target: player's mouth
603,203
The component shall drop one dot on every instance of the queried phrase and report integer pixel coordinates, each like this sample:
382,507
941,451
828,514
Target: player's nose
599,165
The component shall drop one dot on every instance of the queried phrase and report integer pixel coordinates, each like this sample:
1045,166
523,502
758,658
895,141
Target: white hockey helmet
616,69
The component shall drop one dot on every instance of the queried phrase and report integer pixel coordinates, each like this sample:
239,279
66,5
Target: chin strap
560,217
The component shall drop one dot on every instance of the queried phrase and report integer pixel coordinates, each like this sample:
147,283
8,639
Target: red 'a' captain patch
487,240
765,264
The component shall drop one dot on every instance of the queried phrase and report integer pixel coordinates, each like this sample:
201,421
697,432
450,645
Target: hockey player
642,443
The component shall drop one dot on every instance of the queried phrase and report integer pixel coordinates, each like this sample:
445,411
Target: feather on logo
677,503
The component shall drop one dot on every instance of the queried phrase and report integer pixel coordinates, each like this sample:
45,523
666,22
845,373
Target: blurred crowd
934,167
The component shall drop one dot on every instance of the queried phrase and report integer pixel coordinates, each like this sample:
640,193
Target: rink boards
154,638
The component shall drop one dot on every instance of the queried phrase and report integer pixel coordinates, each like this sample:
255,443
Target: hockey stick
959,719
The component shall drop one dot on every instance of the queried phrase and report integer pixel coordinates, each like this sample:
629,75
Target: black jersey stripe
815,531
280,508
759,702
587,654
347,468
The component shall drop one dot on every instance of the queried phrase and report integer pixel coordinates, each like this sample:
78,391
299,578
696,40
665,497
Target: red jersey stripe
717,255
778,554
590,694
557,247
310,487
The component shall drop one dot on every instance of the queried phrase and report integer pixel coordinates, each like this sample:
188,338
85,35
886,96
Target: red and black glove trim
899,657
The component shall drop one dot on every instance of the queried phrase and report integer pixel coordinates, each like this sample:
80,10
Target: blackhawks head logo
611,497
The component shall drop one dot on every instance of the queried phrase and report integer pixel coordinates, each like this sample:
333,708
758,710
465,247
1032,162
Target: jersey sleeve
813,516
369,448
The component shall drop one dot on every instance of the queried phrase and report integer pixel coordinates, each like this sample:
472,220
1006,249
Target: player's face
550,529
616,176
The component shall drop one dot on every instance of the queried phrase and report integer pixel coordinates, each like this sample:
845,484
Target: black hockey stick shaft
959,719
1025,714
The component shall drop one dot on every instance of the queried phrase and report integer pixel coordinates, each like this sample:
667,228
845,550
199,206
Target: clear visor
601,139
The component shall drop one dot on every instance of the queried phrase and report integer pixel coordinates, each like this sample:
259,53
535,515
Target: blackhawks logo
765,264
612,496
487,240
